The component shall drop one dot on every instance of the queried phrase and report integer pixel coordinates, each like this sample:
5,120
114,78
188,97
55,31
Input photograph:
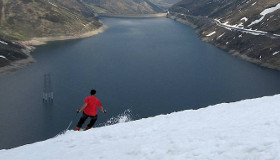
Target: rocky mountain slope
24,19
247,28
165,4
11,52
124,7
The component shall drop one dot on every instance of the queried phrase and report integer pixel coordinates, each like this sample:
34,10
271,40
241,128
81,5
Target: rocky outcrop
249,29
13,55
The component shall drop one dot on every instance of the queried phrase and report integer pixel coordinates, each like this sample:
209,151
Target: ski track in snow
245,130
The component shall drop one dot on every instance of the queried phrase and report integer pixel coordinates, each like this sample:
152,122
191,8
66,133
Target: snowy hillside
246,130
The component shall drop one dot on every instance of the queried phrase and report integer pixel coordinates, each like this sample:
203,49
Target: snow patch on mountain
210,34
275,53
244,19
3,42
53,4
1,56
240,28
221,36
264,13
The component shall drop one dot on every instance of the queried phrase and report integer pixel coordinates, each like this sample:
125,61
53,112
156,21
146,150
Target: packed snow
265,12
245,130
3,42
210,34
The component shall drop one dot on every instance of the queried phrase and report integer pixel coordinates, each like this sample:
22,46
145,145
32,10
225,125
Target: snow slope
245,130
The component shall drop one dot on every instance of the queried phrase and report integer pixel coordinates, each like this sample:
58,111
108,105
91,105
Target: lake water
148,66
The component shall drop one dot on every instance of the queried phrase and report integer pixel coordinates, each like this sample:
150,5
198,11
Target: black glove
78,111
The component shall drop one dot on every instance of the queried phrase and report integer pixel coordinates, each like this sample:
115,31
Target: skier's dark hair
93,92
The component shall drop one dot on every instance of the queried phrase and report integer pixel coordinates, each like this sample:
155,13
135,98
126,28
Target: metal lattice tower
47,91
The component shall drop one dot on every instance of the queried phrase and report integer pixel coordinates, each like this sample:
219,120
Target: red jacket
92,104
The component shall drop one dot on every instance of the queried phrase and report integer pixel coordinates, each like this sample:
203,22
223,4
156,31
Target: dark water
150,66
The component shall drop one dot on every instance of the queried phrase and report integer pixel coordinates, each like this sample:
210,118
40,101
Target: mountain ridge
124,7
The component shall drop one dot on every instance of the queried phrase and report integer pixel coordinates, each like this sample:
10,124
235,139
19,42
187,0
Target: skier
90,110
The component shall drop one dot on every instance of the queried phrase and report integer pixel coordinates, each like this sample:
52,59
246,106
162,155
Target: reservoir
139,67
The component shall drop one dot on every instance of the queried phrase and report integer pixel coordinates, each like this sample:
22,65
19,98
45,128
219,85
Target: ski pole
72,121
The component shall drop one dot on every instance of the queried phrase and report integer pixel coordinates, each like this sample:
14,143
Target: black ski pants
84,118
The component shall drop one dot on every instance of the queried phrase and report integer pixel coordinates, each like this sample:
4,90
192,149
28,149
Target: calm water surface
150,66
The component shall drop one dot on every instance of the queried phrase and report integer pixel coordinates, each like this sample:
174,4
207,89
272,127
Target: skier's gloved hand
78,111
104,111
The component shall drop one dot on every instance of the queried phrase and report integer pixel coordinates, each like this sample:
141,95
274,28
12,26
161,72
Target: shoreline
225,48
16,65
36,41
156,15
185,22
30,46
